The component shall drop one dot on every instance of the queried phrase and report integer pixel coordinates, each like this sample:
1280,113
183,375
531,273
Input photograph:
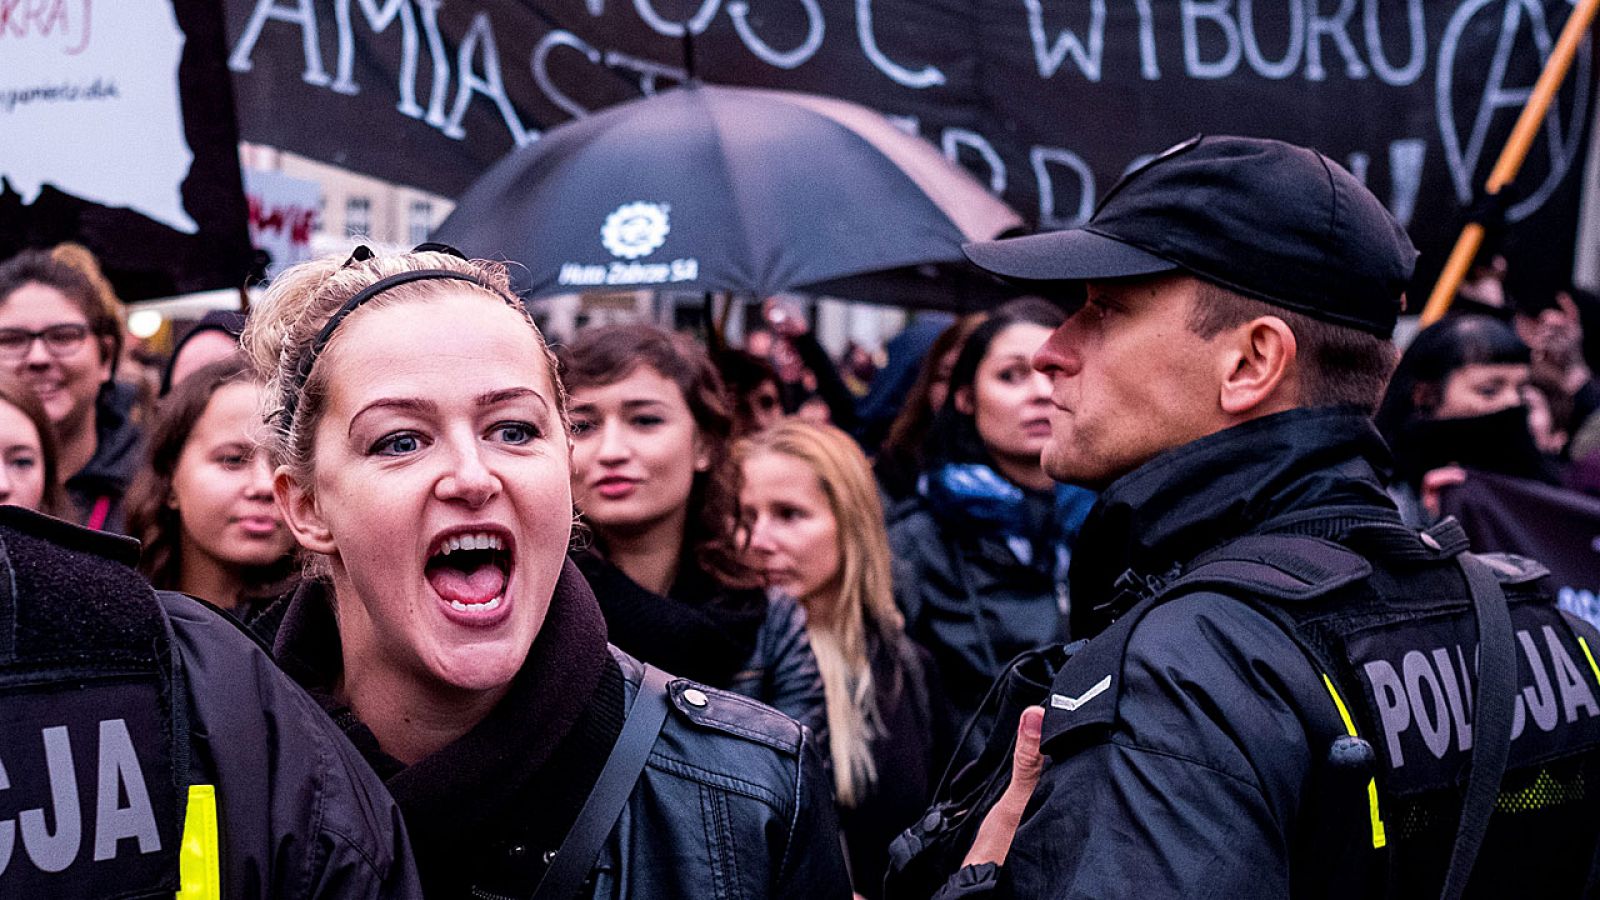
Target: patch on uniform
1072,704
1418,680
1083,697
88,802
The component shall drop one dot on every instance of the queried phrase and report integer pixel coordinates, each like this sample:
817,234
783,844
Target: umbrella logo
635,229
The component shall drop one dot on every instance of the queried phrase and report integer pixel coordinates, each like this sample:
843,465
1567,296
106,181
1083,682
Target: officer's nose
1059,356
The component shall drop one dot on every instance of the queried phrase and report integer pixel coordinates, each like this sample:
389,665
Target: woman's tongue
478,585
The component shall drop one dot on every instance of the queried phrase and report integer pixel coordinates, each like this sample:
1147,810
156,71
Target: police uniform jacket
1189,755
732,801
149,743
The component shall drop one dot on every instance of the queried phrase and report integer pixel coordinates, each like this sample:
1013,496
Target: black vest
1385,615
91,743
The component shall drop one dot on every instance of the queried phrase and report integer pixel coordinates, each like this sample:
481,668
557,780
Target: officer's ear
298,506
1258,368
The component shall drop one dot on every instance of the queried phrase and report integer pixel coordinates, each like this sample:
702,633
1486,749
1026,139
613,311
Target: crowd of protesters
755,519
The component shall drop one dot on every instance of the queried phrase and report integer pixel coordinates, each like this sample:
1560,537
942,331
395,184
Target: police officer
1283,696
149,748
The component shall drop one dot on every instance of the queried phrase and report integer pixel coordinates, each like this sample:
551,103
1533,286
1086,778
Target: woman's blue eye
398,444
515,432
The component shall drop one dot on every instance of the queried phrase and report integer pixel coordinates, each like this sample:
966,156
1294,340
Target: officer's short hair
1339,366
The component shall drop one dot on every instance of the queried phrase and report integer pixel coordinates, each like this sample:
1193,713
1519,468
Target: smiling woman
58,336
423,461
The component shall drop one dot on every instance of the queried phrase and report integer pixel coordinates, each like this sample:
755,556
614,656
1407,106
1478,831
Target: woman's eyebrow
399,404
505,395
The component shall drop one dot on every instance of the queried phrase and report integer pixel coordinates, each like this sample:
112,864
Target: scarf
700,630
1035,525
1499,442
532,759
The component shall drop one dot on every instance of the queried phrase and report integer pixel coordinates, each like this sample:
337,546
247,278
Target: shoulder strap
582,844
1491,726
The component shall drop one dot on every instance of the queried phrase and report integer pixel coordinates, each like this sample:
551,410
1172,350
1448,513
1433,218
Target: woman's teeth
482,541
486,606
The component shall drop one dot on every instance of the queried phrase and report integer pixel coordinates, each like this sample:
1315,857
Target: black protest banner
1557,527
1046,101
117,131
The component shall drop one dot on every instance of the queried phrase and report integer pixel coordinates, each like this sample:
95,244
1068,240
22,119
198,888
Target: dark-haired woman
981,550
27,451
423,453
1459,397
202,507
652,478
899,460
61,340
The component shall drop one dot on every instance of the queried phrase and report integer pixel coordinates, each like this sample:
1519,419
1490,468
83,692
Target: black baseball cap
1269,220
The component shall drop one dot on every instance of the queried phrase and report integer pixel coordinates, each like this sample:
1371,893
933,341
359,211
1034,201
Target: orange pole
1511,158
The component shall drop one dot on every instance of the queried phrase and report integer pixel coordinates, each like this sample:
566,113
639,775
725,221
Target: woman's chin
479,668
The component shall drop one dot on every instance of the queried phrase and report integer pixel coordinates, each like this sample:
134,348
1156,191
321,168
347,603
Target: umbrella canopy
705,188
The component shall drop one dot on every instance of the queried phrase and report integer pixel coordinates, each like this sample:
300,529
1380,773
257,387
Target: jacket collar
1222,486
118,443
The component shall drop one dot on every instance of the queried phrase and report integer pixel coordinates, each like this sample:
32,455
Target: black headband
291,391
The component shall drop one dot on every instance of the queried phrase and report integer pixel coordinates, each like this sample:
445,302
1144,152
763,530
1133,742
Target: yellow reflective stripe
1586,652
1379,836
200,856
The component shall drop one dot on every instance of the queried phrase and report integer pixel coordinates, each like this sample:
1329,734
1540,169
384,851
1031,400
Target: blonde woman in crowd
423,458
813,526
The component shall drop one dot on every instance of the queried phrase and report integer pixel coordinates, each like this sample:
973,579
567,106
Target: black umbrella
719,189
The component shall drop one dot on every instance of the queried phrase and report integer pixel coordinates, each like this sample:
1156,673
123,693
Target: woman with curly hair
423,463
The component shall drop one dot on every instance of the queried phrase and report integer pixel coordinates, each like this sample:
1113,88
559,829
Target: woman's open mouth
469,570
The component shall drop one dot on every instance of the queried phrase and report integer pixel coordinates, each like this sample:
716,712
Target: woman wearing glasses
59,340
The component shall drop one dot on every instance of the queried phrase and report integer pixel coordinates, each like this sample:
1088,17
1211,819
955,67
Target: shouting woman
424,461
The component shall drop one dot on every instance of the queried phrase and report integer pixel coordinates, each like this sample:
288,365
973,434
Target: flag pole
1512,156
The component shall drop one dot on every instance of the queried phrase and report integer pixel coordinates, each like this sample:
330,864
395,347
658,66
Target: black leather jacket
733,801
720,774
970,601
782,672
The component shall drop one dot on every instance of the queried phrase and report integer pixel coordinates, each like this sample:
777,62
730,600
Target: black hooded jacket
96,491
1187,757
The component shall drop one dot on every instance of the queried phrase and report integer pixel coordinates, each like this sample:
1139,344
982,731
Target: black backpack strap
1491,726
601,810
